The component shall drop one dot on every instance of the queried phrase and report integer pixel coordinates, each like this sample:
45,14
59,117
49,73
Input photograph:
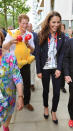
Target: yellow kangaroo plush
22,53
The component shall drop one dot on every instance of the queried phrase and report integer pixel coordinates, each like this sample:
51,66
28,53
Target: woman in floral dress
10,80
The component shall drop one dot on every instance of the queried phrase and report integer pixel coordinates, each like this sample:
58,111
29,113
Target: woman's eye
53,22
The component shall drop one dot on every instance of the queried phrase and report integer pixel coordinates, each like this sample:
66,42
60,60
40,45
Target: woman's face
54,24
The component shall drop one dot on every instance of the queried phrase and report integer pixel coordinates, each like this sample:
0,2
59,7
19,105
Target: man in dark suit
33,64
68,72
62,74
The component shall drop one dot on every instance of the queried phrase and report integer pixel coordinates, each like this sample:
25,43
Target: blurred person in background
63,28
69,31
10,28
4,31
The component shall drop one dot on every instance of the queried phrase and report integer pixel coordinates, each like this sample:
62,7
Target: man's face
62,28
23,25
29,28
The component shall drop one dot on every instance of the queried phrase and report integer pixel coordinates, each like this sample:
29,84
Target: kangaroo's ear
15,34
10,33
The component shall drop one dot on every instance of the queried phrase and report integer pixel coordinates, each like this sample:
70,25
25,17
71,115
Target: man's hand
26,42
39,75
27,38
29,46
57,73
68,79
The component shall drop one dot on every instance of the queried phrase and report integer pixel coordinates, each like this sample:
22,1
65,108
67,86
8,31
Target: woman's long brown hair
43,34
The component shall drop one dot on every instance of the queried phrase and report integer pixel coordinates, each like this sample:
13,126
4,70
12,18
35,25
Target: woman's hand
13,41
39,75
57,73
8,45
68,79
20,103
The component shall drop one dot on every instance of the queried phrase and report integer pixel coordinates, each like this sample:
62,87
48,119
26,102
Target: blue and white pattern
51,62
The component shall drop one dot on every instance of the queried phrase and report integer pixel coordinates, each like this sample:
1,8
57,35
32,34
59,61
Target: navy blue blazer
68,58
42,53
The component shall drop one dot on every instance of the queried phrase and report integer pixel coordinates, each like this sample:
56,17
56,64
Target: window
72,24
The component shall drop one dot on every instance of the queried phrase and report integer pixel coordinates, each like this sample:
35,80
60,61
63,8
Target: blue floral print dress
9,77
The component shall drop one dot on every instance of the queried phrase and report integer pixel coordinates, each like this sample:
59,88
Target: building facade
65,8
40,9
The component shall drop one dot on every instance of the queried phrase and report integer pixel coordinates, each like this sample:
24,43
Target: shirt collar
50,35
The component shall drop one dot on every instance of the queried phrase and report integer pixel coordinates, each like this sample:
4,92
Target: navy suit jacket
68,58
42,53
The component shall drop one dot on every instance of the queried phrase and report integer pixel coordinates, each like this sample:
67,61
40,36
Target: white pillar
34,13
70,12
46,7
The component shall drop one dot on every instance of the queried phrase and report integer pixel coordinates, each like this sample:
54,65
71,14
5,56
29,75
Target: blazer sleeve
61,54
66,58
38,58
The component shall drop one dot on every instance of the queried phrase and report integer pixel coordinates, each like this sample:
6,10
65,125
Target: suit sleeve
38,58
66,58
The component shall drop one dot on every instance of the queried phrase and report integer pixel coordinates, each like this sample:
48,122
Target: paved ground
34,121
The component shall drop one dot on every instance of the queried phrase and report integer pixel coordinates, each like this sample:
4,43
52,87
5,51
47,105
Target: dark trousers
70,103
56,88
25,72
62,80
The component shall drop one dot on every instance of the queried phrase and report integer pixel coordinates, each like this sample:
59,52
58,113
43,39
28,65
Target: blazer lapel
59,41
